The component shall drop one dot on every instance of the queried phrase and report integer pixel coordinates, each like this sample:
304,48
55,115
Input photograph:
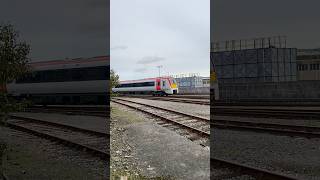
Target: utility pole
159,67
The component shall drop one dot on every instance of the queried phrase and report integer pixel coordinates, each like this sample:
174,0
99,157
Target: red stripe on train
158,88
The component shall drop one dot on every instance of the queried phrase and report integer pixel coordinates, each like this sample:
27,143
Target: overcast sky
58,29
171,33
296,19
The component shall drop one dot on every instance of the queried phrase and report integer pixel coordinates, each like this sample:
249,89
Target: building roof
71,61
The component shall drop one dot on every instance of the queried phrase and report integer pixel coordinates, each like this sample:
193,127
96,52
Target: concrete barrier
197,90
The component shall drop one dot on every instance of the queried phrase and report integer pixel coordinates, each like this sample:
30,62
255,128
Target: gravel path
293,156
194,109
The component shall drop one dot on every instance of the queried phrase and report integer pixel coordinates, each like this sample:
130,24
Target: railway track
182,100
220,123
276,113
173,96
223,169
195,128
72,110
93,142
273,128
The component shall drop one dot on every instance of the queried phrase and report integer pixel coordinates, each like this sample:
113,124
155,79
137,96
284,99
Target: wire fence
254,43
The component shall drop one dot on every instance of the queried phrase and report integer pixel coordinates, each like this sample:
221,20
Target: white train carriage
154,86
75,81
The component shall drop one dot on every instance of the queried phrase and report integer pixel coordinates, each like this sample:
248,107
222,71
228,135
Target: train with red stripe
158,86
69,81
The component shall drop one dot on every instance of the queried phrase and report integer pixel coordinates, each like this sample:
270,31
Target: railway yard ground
166,139
280,139
250,141
140,146
30,155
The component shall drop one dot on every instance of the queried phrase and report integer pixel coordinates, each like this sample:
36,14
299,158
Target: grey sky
297,19
171,33
60,28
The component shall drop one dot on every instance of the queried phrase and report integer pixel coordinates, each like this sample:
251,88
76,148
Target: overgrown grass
125,117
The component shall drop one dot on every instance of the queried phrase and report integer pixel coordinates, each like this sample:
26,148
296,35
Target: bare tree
13,64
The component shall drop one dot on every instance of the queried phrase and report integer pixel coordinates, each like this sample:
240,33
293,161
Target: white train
75,81
155,86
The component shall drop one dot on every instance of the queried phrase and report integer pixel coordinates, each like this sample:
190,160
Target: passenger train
74,81
159,86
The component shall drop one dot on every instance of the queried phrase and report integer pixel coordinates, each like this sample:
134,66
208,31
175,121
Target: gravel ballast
31,157
294,156
194,109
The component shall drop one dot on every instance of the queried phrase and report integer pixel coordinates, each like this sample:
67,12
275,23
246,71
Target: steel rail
279,113
241,169
195,130
94,151
169,110
190,101
290,130
172,96
71,112
281,129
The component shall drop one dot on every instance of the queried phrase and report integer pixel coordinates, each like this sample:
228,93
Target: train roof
71,63
142,80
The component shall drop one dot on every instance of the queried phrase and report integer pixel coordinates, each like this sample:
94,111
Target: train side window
163,83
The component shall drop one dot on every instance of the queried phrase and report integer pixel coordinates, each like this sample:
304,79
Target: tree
13,64
114,80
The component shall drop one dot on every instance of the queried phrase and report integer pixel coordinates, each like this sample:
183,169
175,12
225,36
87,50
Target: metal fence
254,43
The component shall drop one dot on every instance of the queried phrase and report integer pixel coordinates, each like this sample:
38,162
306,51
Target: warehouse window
314,66
304,67
300,67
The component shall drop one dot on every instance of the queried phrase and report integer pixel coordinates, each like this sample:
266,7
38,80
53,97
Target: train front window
174,81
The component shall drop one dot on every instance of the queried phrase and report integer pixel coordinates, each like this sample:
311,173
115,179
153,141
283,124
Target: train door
158,84
164,84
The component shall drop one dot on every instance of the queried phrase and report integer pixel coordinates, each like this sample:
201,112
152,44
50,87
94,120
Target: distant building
193,82
206,81
193,85
308,64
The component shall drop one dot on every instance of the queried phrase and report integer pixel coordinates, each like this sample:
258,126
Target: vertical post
160,66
